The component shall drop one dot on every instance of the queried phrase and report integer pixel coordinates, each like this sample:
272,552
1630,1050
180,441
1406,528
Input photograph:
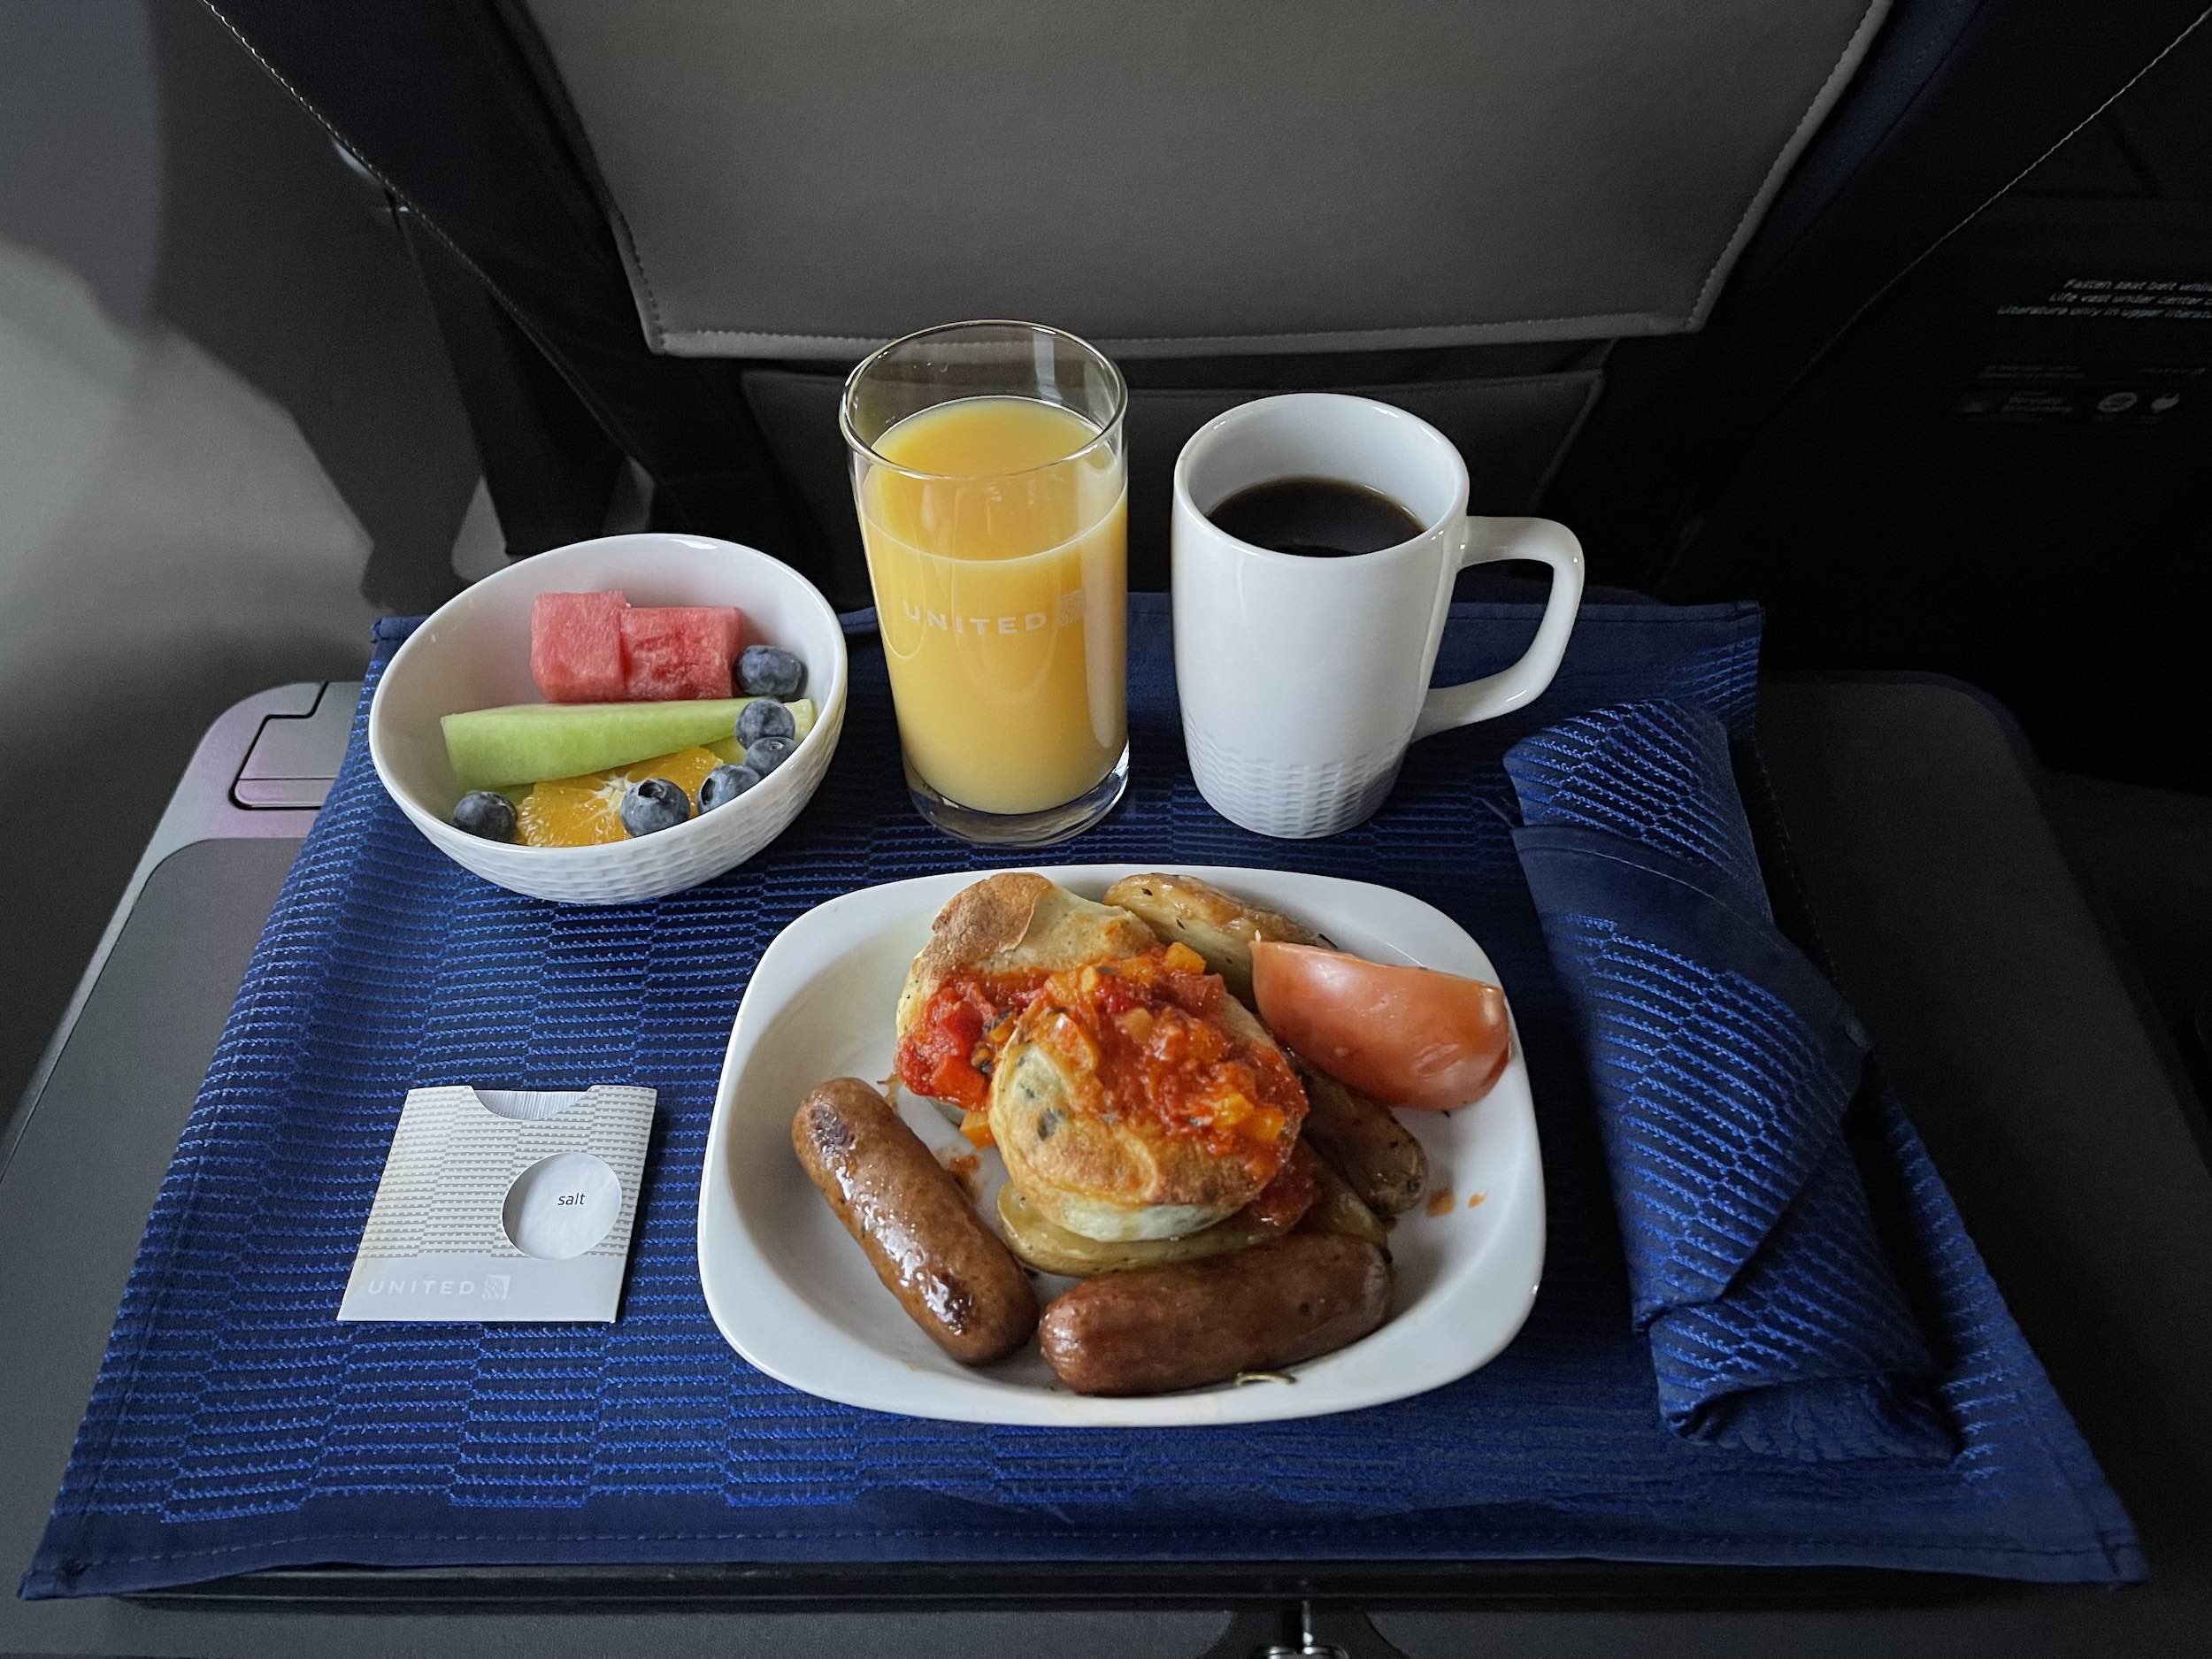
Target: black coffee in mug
1321,517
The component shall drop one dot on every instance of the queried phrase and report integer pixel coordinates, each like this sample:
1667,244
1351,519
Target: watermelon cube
671,651
576,647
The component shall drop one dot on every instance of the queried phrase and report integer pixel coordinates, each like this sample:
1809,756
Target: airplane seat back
1593,243
1450,207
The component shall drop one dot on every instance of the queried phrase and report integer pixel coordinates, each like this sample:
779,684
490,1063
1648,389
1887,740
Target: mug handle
1490,541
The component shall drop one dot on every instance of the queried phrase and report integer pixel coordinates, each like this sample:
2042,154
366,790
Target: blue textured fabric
1720,1064
236,1425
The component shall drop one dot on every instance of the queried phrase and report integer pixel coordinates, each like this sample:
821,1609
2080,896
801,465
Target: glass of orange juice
989,474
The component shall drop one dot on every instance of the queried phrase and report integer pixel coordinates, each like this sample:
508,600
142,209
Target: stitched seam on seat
1592,392
1914,263
570,121
1823,101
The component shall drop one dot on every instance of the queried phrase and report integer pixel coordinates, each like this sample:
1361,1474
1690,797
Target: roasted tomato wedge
1408,1036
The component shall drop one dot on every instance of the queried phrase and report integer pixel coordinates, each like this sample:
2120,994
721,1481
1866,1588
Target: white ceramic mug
1302,678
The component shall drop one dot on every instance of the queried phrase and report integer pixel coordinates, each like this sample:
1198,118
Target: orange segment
587,811
686,768
570,814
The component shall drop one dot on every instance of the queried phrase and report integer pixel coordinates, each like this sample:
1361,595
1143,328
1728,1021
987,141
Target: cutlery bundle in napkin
1722,1062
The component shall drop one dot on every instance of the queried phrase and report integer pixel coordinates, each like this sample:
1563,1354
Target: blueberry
486,813
763,718
654,804
769,753
724,785
769,670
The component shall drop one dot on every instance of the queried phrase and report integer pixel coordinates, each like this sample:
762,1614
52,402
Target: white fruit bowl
475,653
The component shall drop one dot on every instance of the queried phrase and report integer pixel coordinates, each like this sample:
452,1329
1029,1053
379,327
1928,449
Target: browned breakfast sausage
1153,1329
1370,1147
927,1245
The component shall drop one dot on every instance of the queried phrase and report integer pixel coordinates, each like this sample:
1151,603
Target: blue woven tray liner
236,1426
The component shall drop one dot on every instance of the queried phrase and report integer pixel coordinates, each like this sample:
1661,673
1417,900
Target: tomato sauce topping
949,1053
1149,1029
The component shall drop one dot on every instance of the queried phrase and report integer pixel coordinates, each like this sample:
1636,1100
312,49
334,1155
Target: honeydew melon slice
532,742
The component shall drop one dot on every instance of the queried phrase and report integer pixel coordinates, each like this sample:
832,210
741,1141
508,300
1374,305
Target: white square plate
795,1296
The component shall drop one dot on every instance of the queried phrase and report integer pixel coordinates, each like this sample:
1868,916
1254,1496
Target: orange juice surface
1000,581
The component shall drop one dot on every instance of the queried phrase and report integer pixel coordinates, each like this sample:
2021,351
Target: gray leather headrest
806,177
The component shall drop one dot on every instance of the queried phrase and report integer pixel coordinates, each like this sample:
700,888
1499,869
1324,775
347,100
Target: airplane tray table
1957,931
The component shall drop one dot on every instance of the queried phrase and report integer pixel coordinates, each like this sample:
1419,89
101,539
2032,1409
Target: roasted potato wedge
1219,928
1375,1153
1338,1209
1054,1250
1318,1200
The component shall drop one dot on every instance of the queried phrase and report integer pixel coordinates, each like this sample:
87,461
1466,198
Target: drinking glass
990,477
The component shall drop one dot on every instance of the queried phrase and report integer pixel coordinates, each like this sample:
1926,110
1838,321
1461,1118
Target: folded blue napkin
1722,1062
